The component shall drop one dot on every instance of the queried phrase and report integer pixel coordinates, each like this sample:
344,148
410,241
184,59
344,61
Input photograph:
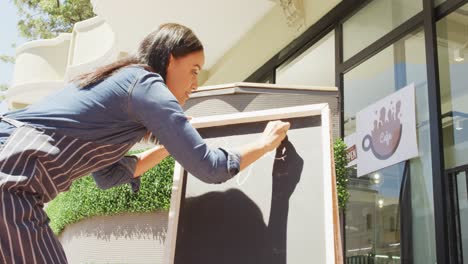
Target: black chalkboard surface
271,212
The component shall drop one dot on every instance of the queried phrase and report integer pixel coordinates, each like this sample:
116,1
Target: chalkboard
278,210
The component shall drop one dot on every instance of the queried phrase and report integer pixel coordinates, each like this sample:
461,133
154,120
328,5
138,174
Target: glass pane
315,66
452,40
438,2
401,64
374,21
463,212
372,217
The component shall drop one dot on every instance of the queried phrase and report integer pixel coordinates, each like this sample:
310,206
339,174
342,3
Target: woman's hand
271,138
273,134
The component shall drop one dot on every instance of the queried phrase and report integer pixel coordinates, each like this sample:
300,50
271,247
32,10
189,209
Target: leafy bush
341,162
85,200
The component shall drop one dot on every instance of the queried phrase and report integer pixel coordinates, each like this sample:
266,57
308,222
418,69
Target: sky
8,35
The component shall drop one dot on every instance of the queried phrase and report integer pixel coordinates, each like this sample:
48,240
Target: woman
89,126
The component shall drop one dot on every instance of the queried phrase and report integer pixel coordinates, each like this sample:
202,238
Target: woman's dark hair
153,53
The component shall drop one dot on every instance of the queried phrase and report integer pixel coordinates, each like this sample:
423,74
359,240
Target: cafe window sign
351,151
386,131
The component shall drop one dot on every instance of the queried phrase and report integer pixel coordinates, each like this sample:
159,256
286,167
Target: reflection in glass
462,197
374,208
438,2
452,44
452,35
316,66
372,218
374,21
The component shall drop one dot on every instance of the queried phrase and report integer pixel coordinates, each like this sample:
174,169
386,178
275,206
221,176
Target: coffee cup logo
385,137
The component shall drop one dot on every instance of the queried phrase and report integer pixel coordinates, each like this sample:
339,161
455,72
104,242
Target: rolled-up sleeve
118,173
154,106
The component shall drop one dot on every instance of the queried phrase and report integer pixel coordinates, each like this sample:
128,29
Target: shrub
85,200
339,149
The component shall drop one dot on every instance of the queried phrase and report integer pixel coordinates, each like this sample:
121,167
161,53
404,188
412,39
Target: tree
7,59
42,19
3,88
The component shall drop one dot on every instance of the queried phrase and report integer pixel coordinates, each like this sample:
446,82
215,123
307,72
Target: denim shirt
120,110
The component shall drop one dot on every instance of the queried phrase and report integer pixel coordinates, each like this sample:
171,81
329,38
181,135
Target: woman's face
182,74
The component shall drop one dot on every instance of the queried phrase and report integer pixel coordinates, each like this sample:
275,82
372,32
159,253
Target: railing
365,259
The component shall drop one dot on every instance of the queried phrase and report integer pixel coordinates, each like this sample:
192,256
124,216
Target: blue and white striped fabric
34,167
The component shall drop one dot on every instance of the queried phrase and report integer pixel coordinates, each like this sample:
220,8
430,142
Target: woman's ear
171,61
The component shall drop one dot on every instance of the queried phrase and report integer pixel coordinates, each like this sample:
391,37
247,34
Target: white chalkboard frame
332,226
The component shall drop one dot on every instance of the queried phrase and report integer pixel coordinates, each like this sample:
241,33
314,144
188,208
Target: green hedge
339,150
85,200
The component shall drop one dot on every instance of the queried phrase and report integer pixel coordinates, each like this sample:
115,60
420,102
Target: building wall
381,69
263,41
124,238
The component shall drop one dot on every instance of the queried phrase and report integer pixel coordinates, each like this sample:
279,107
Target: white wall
123,238
263,41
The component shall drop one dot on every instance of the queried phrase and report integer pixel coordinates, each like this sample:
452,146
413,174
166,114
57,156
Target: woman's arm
154,106
129,169
271,138
149,159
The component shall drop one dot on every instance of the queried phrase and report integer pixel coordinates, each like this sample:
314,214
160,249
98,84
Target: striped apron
35,166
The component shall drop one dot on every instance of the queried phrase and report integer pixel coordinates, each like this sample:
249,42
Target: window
316,66
438,2
452,47
452,35
374,21
378,193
